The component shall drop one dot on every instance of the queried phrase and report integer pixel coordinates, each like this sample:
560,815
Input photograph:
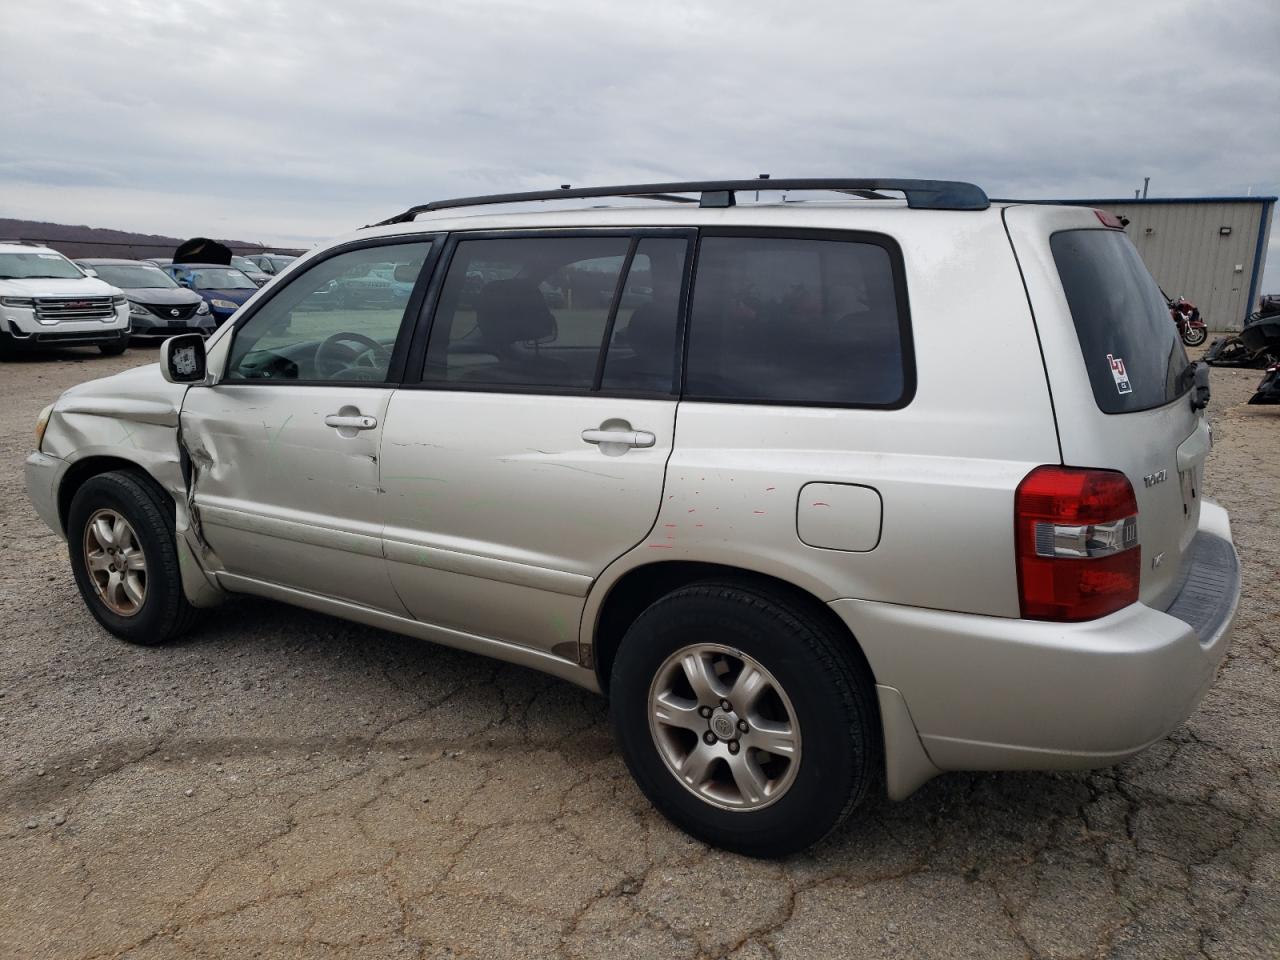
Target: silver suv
820,487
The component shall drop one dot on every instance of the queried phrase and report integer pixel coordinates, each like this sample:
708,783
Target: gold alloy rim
115,562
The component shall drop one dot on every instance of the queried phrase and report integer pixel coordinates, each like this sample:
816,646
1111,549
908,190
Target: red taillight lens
1076,533
1109,220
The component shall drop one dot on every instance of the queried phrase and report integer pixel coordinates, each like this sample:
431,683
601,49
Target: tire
163,612
827,691
7,349
1195,336
113,349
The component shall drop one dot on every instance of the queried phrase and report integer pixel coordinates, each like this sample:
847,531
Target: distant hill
82,241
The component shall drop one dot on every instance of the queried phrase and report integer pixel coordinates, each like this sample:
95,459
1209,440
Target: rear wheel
120,536
744,717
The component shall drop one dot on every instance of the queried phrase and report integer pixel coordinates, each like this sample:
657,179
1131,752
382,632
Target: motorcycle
1186,315
1269,388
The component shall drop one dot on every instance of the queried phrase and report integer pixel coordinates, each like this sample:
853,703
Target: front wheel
1194,336
745,717
113,349
120,535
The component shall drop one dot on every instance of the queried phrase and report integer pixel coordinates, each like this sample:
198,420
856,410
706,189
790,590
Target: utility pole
1146,181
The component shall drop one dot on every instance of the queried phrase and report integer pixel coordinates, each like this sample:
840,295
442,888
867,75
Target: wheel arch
88,467
635,589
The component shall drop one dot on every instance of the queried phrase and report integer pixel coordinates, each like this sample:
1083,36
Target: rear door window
791,319
559,313
1130,345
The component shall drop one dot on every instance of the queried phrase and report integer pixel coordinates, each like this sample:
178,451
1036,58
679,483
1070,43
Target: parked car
250,270
158,306
223,288
270,263
854,557
47,301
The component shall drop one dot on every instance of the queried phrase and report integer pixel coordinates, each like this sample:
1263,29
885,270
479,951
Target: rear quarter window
799,319
1131,348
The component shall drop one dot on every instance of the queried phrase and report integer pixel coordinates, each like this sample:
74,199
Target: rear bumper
990,693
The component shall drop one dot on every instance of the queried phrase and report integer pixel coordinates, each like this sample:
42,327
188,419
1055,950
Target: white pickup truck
47,301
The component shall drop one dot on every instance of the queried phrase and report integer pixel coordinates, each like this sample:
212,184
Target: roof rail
920,194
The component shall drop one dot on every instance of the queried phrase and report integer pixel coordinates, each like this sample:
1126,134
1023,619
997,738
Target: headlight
42,423
203,308
119,300
25,302
225,304
138,310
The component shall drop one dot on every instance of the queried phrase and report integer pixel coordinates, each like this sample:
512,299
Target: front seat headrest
513,311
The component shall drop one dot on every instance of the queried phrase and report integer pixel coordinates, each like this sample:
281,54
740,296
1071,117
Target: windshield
243,263
20,266
134,276
222,279
279,263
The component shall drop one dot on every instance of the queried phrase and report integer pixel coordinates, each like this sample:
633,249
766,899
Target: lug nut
726,706
733,746
742,725
704,712
709,737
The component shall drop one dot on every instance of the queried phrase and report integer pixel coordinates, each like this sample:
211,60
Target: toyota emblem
174,312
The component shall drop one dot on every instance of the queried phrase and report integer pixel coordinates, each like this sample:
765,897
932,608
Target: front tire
745,718
120,536
1194,336
113,349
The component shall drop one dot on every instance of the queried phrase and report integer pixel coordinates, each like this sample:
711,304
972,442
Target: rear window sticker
1119,374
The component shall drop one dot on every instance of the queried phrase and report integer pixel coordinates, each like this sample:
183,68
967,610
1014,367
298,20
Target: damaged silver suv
730,456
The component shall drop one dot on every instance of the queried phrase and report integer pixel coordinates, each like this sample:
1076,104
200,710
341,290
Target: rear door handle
627,438
350,423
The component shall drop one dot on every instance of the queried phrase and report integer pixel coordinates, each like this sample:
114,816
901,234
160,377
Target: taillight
1077,543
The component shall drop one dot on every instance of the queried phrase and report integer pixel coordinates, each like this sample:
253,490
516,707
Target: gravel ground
282,784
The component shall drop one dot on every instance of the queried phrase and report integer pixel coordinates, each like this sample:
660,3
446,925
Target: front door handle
342,422
626,438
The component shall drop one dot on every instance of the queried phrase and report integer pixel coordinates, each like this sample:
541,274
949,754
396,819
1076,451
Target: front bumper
43,474
163,330
991,693
69,335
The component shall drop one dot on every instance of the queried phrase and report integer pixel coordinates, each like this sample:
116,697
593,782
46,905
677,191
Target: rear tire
825,701
117,514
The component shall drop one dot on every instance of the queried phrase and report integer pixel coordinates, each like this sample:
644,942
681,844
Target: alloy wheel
724,726
115,561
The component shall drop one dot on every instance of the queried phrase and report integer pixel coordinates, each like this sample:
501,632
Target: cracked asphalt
283,784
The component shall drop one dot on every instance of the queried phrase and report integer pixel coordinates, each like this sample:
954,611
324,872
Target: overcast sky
291,121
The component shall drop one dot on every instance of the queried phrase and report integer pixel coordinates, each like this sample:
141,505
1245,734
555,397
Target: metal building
1207,249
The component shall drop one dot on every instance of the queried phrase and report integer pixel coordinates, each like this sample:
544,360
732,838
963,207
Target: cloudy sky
291,121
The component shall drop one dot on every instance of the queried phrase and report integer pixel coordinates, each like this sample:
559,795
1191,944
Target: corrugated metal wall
1185,251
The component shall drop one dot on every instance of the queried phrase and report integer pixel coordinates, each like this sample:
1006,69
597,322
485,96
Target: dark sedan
158,307
223,288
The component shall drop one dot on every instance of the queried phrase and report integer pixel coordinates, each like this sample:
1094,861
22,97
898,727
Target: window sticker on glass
1119,374
49,256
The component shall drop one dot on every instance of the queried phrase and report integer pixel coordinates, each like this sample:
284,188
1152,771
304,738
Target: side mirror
183,360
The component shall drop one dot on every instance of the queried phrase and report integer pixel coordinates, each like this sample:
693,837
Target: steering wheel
333,357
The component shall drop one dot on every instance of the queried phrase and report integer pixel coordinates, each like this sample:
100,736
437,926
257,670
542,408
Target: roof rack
920,194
